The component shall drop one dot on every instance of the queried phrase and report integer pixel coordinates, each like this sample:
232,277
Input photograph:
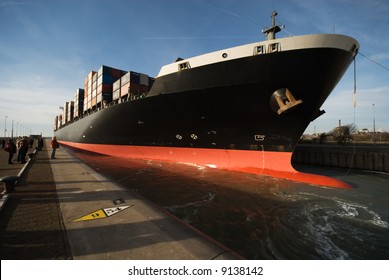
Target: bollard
9,183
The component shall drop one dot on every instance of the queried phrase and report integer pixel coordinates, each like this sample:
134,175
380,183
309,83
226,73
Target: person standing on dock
40,144
19,144
54,145
10,147
23,150
31,142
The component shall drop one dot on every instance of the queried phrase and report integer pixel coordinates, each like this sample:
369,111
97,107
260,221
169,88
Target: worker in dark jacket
10,147
54,145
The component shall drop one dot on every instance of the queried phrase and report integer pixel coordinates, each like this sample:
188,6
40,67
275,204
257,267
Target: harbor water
261,217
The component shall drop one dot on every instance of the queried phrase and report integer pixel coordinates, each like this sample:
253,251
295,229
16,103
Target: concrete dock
62,209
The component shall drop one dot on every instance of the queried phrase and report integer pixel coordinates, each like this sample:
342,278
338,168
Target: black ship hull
222,115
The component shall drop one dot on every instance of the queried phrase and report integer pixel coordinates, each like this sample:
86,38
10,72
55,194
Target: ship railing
127,98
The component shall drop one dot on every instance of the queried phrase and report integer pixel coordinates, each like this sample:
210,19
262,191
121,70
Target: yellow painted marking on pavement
101,213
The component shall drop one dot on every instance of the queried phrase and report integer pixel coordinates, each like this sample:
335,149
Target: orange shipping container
91,74
124,90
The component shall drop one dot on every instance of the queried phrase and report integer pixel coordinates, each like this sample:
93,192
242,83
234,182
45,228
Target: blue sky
48,47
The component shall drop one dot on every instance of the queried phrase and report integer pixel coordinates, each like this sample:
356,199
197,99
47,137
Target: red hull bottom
273,164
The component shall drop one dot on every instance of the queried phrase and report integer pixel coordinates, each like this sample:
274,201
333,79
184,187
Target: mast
270,32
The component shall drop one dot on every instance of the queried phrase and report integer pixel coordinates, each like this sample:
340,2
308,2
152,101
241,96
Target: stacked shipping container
78,103
102,87
106,76
59,120
56,123
68,111
88,88
131,86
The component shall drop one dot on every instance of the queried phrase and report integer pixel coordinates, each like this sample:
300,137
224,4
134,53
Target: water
261,217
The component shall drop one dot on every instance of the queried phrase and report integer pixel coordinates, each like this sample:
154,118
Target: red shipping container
106,88
133,89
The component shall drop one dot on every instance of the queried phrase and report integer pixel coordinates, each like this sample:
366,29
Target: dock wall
374,158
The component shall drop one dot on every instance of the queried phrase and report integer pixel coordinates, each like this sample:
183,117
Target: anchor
286,100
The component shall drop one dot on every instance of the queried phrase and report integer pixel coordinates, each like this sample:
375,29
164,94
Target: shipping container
88,91
103,69
94,78
105,79
91,74
143,79
134,90
118,73
78,103
108,84
101,97
89,79
104,88
116,85
124,90
56,123
77,112
116,94
131,77
89,105
65,112
70,112
59,121
80,93
109,71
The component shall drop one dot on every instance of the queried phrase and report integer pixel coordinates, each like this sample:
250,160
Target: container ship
242,108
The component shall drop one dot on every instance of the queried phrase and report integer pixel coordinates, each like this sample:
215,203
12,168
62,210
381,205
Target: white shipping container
116,85
116,94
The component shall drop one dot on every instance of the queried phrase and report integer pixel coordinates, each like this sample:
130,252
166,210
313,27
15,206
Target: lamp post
12,130
374,123
5,127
